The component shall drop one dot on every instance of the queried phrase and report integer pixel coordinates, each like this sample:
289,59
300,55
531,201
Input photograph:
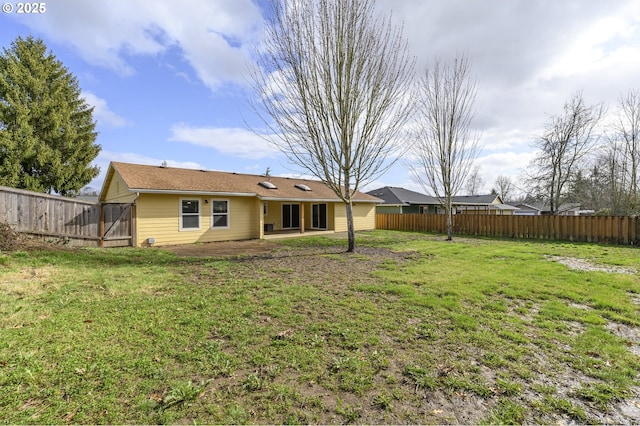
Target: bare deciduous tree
612,178
332,84
627,143
628,127
474,182
445,146
609,185
567,140
618,201
503,187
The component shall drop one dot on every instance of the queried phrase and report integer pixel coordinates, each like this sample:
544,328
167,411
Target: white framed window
219,214
265,209
189,214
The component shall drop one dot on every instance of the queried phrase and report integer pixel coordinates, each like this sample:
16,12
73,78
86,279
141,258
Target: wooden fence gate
79,222
116,225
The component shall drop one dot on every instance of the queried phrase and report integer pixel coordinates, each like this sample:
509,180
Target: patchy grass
410,329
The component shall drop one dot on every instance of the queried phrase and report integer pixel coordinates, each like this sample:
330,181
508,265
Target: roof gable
564,207
523,206
157,179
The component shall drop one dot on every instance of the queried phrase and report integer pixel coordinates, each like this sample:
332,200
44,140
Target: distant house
400,200
181,206
482,204
537,209
526,209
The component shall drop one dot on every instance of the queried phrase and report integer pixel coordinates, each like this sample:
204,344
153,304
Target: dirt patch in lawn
321,264
583,265
224,249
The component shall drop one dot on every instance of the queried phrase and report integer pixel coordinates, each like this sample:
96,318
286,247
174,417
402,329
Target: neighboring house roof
477,199
541,207
565,207
403,197
157,179
523,206
505,207
488,201
400,196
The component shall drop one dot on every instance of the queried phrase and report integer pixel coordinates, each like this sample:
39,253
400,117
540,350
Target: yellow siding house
182,206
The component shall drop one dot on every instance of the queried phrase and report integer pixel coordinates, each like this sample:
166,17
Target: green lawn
410,329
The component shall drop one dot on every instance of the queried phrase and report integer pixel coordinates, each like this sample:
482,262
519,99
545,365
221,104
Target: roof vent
268,185
303,187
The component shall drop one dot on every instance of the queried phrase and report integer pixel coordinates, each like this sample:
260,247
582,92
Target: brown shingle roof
141,178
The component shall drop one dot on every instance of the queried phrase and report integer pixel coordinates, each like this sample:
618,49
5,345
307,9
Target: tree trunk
351,233
552,200
449,224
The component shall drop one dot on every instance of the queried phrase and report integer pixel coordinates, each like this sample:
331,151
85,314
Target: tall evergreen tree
47,131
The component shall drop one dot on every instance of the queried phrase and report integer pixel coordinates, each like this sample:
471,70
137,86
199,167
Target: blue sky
167,78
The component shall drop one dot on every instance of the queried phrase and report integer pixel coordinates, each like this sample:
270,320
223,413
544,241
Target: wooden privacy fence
82,222
621,230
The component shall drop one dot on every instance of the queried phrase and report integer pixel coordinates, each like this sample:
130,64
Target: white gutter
313,200
179,192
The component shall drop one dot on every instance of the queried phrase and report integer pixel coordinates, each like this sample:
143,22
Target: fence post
134,230
101,230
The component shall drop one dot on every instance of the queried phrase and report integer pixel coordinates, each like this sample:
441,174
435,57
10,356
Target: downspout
261,216
134,221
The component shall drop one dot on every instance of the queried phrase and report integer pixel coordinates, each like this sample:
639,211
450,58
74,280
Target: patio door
319,216
290,216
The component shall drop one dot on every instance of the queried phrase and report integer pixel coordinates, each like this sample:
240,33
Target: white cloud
528,56
232,141
212,35
508,163
102,113
130,157
595,47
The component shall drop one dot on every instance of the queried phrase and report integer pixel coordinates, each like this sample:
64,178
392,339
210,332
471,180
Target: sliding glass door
319,216
290,216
